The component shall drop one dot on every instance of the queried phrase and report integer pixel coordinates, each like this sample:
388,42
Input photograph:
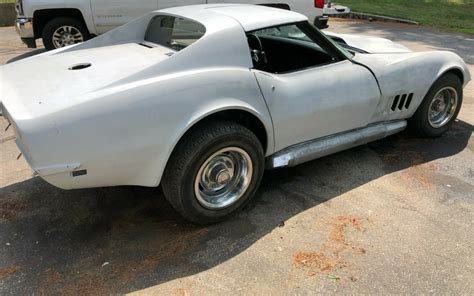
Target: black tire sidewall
191,206
420,121
55,23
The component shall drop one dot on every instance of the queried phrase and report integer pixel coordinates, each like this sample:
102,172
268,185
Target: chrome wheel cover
223,178
442,107
66,35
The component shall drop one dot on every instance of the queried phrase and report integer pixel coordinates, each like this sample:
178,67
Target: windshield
174,32
291,31
295,33
285,31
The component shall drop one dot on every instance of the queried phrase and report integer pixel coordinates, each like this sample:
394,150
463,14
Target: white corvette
200,99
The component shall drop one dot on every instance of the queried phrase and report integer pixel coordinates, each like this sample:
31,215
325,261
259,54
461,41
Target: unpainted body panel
319,101
406,73
370,44
126,134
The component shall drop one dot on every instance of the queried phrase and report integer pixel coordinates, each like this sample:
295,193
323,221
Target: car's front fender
409,73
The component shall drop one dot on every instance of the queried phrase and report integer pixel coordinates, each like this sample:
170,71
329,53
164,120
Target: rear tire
63,31
439,108
213,172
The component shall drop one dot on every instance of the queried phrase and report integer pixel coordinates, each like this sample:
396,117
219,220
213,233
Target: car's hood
43,83
434,62
369,44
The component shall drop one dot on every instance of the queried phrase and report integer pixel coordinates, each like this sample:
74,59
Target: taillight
319,3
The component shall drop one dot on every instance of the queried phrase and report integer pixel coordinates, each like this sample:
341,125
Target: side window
173,32
286,48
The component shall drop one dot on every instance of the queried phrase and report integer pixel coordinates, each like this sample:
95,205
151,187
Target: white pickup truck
65,22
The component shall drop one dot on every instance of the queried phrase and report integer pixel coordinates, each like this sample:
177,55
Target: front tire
63,31
213,172
439,108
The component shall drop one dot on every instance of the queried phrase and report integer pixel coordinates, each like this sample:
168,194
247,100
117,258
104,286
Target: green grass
456,15
7,1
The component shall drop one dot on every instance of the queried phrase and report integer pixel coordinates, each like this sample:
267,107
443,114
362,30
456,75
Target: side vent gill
407,104
395,103
401,102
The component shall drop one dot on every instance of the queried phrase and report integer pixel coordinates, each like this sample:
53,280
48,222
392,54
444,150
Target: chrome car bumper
24,28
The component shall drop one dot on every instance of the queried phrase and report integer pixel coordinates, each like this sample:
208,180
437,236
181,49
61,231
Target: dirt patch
171,250
414,165
52,278
419,175
8,271
86,284
9,209
180,292
55,283
336,242
408,157
316,261
98,279
338,226
329,256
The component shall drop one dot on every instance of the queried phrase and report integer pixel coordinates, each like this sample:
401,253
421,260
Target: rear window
174,32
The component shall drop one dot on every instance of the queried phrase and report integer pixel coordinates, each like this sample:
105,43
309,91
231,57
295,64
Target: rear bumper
24,28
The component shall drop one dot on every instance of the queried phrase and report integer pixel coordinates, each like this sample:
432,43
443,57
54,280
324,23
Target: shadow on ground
58,241
27,55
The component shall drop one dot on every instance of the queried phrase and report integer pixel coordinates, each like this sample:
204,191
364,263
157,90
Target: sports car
202,99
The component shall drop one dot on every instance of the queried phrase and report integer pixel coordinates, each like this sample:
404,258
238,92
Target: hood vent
145,44
80,66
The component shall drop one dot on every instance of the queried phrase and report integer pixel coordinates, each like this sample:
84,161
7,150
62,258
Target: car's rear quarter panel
126,137
124,132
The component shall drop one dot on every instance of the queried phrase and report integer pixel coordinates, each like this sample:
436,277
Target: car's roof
250,17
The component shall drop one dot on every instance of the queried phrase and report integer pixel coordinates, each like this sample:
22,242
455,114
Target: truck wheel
63,31
213,172
439,108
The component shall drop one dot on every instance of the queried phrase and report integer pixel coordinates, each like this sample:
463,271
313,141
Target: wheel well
42,17
277,5
244,118
456,72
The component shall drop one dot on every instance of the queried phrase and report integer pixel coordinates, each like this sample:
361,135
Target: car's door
315,100
109,14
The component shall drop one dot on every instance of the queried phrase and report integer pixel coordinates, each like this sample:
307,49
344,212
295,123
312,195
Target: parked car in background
331,9
64,22
200,99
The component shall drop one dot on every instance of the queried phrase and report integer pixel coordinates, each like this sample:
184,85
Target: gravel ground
392,217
